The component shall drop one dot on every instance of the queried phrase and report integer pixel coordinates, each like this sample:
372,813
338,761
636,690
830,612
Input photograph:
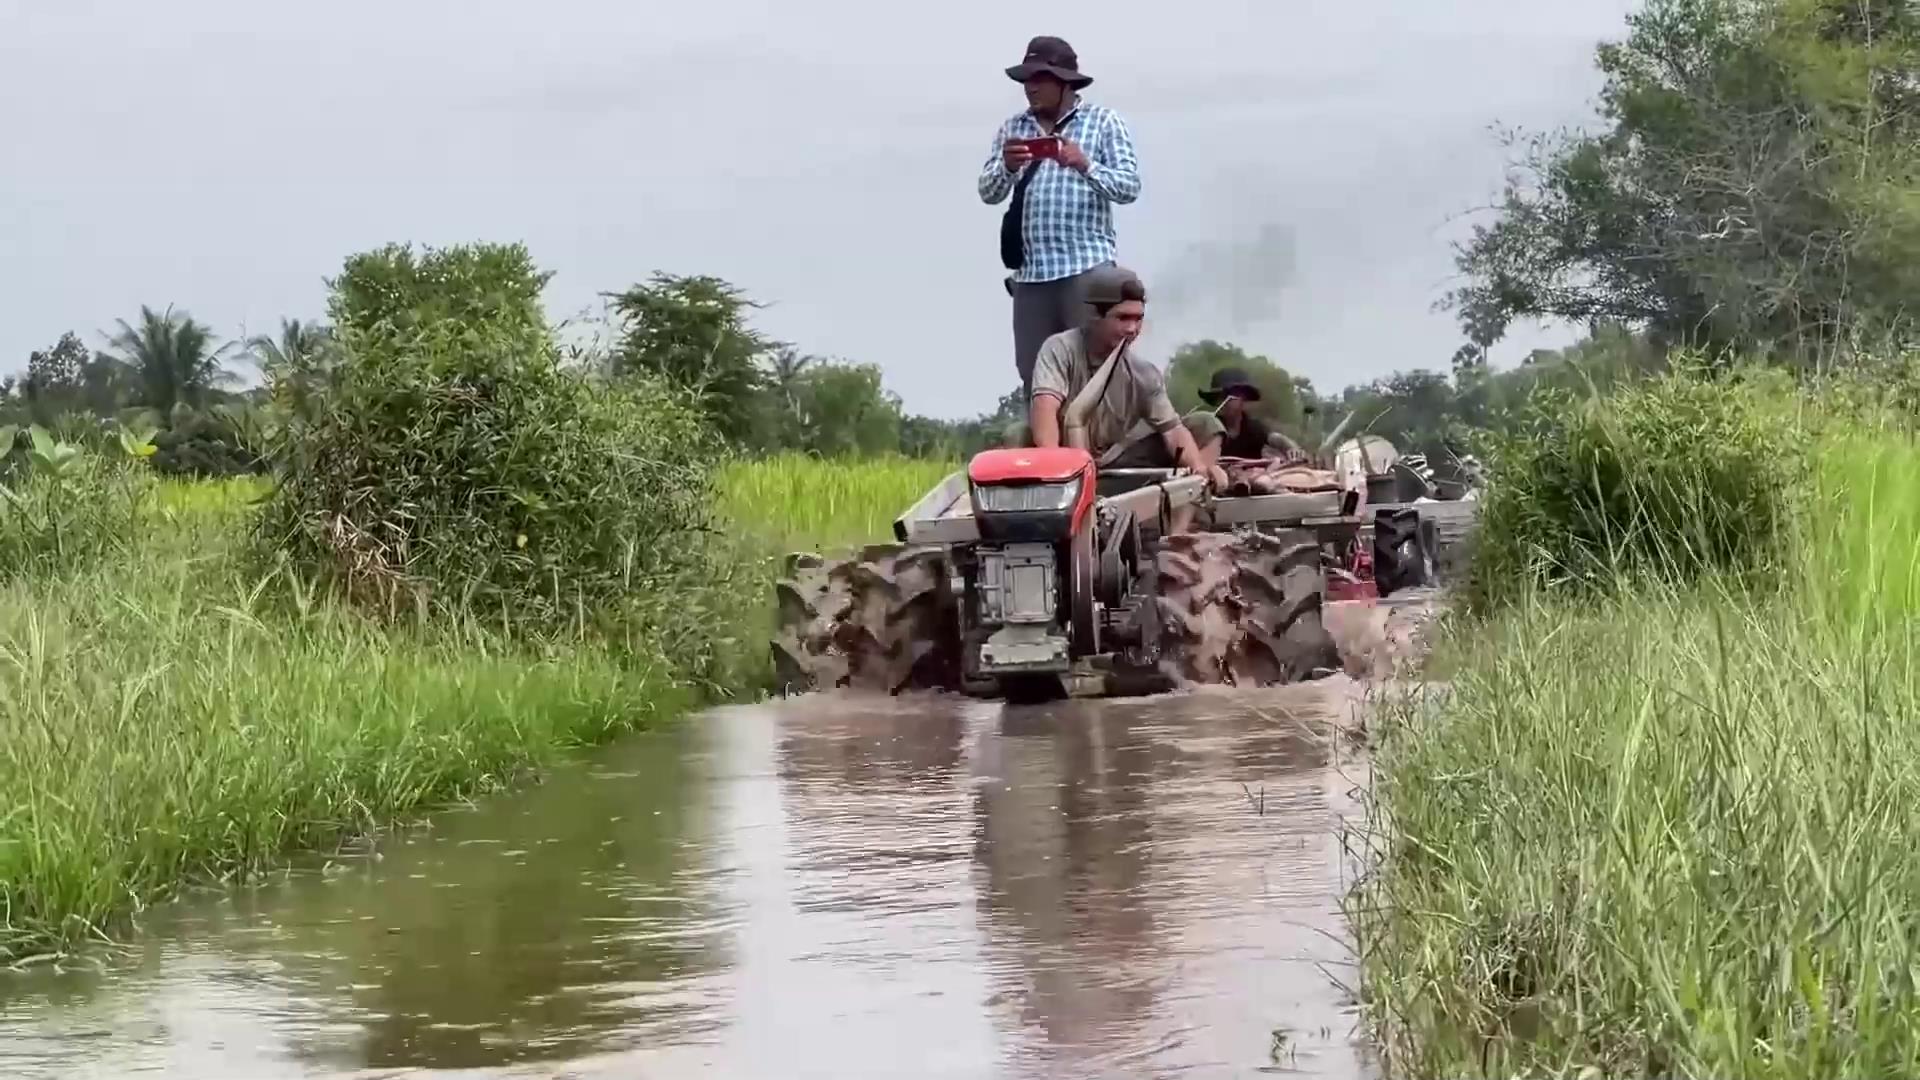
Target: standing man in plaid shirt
1060,224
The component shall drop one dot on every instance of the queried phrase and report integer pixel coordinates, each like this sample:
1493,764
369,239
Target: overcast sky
1305,162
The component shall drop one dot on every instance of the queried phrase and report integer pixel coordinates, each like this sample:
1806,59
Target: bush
205,444
458,466
1668,479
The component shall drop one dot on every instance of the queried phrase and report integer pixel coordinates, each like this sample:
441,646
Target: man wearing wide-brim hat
1064,162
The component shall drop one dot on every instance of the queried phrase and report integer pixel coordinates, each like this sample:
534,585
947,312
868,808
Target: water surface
827,887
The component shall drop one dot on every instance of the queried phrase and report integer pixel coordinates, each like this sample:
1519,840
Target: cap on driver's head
1110,285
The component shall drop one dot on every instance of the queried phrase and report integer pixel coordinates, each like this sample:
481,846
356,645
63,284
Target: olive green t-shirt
1135,402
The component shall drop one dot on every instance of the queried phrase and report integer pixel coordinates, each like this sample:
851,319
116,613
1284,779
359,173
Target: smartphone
1047,146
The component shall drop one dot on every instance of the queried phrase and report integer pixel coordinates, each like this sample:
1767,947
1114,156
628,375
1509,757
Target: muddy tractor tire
1243,609
1404,546
885,621
1282,586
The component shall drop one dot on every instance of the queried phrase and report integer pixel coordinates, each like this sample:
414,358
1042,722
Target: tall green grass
1863,533
1669,829
165,718
794,501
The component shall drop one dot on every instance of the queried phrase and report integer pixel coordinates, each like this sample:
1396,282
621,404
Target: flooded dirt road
827,887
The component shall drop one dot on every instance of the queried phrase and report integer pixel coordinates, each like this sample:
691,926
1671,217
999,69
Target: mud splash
1384,640
846,886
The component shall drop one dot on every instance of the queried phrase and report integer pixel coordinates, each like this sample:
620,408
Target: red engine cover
1049,465
1028,465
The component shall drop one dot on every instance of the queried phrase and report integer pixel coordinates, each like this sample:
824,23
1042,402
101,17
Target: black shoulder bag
1013,247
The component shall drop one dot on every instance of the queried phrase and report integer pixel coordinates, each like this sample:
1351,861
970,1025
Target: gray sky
1304,161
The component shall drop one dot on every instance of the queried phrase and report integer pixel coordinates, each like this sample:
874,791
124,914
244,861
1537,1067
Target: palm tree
299,347
171,359
787,364
298,364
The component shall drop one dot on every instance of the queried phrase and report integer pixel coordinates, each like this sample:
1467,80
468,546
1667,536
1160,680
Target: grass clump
457,467
1672,479
1667,829
62,507
164,722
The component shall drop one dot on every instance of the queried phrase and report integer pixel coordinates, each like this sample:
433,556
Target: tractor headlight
1026,498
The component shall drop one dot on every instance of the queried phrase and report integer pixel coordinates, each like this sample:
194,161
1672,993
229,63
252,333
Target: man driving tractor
1133,423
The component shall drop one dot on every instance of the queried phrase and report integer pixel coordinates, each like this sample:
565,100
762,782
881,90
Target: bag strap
1134,435
1132,439
1019,200
1015,217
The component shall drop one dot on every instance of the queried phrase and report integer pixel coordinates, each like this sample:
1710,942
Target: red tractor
1033,573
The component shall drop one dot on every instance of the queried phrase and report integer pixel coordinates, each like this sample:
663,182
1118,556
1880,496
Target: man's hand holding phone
1019,153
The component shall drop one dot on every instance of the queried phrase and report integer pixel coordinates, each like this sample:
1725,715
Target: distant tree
844,410
692,331
171,359
1192,367
56,379
58,370
299,345
298,364
786,367
930,437
781,427
1751,186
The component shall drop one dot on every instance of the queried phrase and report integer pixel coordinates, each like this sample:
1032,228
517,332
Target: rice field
795,502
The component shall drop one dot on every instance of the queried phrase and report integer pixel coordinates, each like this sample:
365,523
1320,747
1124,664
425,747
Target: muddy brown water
826,887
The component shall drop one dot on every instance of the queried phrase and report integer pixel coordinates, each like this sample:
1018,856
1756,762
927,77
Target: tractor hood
1049,465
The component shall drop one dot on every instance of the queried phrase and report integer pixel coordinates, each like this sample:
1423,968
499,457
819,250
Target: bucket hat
1230,380
1054,57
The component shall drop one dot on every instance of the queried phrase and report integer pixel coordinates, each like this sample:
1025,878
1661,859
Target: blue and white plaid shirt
1068,217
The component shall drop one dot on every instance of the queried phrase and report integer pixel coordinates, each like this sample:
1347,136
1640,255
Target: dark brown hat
1053,56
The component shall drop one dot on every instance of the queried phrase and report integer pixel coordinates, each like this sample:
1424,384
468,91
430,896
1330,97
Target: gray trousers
1042,309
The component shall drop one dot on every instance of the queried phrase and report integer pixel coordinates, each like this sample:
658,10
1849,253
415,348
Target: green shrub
457,465
205,443
1667,479
490,286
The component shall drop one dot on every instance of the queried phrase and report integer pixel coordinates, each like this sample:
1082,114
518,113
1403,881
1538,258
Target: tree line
171,373
1747,190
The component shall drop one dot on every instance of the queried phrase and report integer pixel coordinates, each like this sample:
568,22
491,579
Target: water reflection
836,887
1064,833
568,921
